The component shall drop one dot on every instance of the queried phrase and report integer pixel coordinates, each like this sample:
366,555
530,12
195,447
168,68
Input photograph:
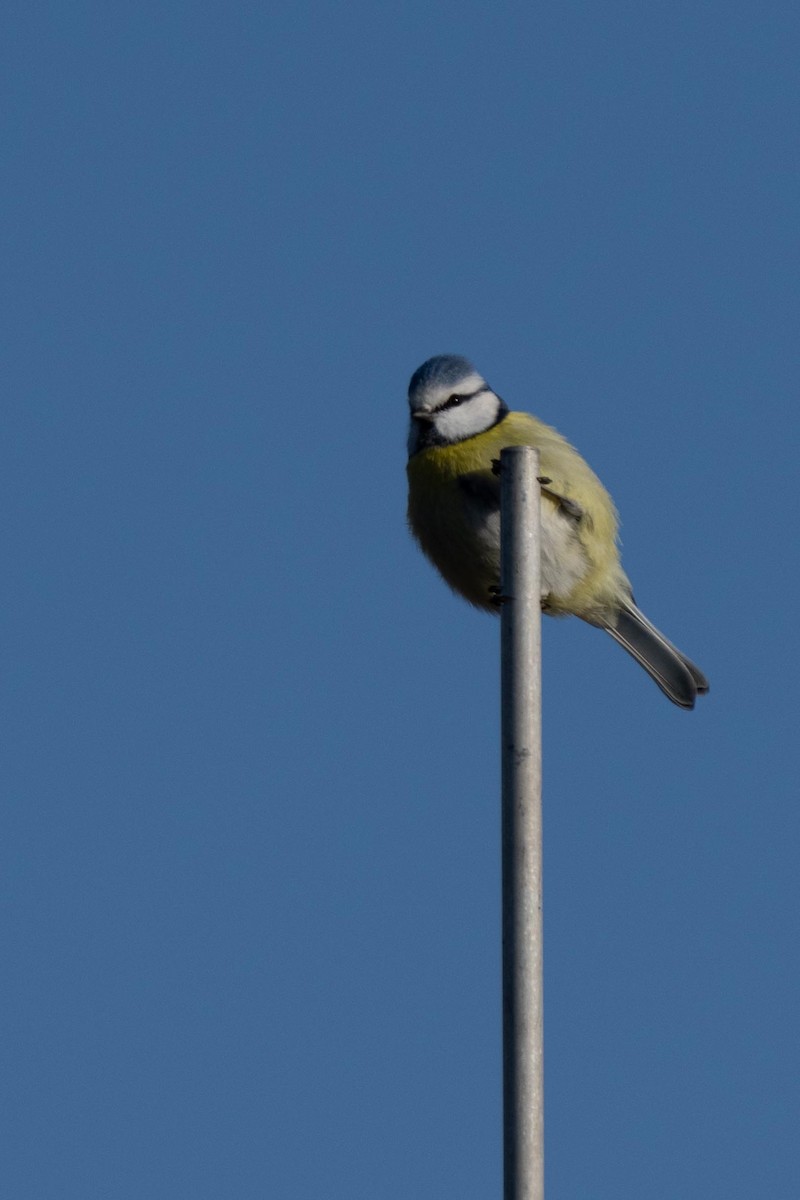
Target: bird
458,427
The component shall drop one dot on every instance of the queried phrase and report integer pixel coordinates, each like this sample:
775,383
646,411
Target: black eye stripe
430,434
459,398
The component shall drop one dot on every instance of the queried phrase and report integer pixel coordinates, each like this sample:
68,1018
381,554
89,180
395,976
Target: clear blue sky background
250,859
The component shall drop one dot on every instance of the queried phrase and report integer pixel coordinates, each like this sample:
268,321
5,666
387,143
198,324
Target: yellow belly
581,572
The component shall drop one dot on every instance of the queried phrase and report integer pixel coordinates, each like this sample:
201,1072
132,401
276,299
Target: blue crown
441,370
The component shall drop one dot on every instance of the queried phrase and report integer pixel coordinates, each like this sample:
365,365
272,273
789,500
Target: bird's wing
570,508
483,488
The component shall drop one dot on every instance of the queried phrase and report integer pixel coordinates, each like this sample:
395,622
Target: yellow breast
462,539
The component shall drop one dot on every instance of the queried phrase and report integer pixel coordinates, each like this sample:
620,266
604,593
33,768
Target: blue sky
250,843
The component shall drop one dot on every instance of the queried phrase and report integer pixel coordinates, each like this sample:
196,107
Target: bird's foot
567,506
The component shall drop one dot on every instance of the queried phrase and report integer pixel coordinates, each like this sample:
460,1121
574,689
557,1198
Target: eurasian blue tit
458,428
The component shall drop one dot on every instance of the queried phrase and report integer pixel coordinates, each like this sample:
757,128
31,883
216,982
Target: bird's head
449,402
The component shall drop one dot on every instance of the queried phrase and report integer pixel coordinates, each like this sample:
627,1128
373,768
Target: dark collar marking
428,436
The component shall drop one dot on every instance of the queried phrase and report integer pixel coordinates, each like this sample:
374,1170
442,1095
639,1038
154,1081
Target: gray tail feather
674,673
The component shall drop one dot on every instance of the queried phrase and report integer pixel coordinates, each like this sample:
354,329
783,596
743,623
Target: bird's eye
453,400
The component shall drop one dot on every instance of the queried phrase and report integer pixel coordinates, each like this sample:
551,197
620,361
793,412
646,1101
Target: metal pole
523,1108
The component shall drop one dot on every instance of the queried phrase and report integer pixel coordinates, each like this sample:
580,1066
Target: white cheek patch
470,418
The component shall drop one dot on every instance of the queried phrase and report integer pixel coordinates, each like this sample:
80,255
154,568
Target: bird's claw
498,598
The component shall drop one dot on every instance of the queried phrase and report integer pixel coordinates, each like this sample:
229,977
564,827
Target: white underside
564,562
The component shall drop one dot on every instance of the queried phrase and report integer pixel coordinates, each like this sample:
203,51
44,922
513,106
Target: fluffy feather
458,428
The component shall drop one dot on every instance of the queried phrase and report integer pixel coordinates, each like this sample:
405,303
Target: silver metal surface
523,1100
